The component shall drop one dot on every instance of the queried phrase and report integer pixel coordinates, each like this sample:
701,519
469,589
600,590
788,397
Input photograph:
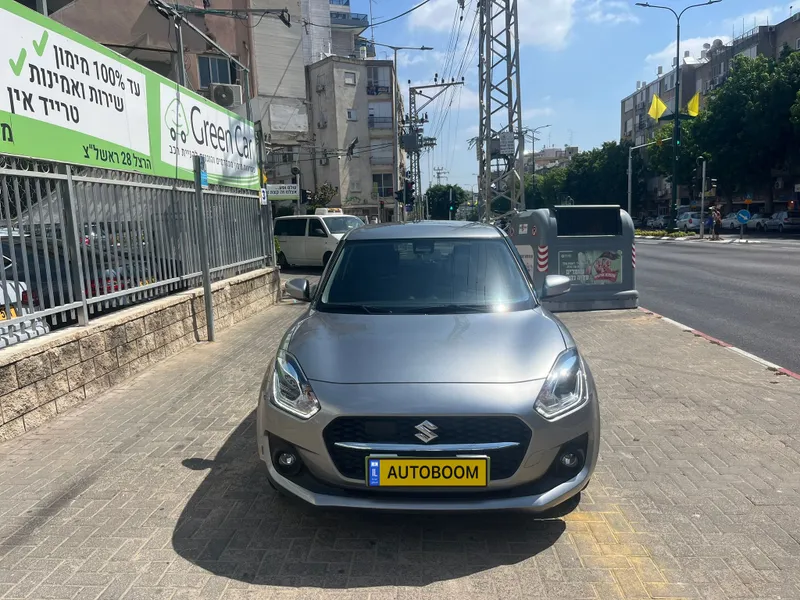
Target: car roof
424,229
286,217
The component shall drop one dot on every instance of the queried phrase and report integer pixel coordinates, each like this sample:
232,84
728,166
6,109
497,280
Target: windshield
426,276
342,224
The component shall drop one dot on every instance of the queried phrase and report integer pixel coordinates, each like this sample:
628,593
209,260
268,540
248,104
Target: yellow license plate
3,316
392,471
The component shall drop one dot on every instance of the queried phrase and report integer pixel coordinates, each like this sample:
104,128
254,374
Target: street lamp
676,130
395,150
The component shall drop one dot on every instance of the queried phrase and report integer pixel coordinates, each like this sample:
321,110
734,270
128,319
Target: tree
473,215
550,187
600,175
660,156
439,200
322,197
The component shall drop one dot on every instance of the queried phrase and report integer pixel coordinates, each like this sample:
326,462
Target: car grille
450,430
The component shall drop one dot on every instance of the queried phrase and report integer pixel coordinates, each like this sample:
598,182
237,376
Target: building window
213,69
378,80
349,78
380,115
628,104
352,114
382,185
797,44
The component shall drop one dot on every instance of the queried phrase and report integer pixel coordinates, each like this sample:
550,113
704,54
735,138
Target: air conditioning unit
225,94
322,124
324,161
640,106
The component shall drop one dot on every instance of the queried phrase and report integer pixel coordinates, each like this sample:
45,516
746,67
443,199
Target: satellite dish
223,95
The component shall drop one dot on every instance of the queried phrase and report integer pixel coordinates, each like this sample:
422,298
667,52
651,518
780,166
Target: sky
578,60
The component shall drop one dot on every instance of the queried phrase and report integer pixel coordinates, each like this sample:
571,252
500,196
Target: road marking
764,363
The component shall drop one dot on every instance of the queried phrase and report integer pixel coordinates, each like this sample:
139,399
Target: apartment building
351,107
703,74
549,158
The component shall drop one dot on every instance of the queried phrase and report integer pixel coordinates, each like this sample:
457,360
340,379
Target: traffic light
410,192
382,205
398,197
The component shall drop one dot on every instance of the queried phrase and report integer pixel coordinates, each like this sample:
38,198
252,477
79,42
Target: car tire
325,258
282,262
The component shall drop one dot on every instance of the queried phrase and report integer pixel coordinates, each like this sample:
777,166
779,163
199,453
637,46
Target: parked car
506,418
784,221
311,239
758,222
660,222
730,221
689,221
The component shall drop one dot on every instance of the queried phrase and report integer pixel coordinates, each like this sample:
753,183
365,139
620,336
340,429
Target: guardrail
80,242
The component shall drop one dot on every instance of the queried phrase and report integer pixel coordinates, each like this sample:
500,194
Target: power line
401,15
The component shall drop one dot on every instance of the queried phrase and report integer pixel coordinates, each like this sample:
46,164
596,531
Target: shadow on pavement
237,527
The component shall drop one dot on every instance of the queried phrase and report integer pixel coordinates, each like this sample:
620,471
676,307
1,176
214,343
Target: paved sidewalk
154,491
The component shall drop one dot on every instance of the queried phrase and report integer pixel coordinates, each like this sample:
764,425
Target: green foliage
660,233
473,215
545,189
321,197
660,156
439,200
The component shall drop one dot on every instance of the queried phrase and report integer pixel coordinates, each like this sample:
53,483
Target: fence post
73,240
203,243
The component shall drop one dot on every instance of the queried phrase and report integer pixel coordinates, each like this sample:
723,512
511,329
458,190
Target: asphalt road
745,295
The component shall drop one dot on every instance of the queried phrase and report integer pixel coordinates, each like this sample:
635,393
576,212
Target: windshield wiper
445,309
366,309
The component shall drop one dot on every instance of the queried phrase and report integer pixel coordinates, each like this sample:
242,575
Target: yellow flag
694,105
657,108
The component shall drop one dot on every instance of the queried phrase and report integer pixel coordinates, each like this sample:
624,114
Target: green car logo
175,120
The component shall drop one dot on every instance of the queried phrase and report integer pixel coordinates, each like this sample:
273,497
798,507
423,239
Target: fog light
288,460
569,460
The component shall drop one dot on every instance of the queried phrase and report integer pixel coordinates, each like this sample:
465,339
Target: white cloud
545,23
612,12
665,56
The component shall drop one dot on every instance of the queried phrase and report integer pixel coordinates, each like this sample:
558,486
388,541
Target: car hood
460,348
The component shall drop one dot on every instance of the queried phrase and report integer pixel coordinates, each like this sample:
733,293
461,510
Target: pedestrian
717,222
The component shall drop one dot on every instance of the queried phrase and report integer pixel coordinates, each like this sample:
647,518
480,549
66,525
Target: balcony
348,20
339,2
379,122
373,89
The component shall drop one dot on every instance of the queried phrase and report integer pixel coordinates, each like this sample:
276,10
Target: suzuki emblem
426,431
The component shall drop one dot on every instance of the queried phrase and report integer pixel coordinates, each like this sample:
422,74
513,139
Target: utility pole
501,138
414,142
702,197
440,173
450,206
399,212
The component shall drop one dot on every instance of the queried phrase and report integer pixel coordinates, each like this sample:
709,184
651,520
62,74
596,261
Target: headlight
565,387
291,390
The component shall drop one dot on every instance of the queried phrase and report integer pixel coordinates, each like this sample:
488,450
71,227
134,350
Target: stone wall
46,376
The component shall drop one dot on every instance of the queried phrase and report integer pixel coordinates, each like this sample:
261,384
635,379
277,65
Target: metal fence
79,242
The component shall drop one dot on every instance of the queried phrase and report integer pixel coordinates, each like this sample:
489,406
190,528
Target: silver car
426,375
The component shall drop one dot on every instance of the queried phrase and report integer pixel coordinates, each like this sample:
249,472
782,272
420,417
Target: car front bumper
533,486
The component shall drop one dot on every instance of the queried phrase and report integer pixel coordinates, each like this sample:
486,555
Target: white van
309,240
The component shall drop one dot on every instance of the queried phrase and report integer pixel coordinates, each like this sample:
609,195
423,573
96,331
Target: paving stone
684,501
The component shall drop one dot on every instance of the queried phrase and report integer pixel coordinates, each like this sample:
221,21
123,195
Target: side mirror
318,232
299,289
555,285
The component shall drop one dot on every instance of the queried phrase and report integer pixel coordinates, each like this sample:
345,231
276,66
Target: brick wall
44,377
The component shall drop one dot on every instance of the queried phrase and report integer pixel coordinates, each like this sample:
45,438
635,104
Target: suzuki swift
425,374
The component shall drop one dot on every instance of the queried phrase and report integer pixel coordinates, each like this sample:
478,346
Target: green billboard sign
66,98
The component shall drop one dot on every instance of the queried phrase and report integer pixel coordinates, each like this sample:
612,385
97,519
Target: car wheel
325,258
282,262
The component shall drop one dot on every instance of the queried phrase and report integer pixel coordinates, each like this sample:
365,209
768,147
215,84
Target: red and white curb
764,363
